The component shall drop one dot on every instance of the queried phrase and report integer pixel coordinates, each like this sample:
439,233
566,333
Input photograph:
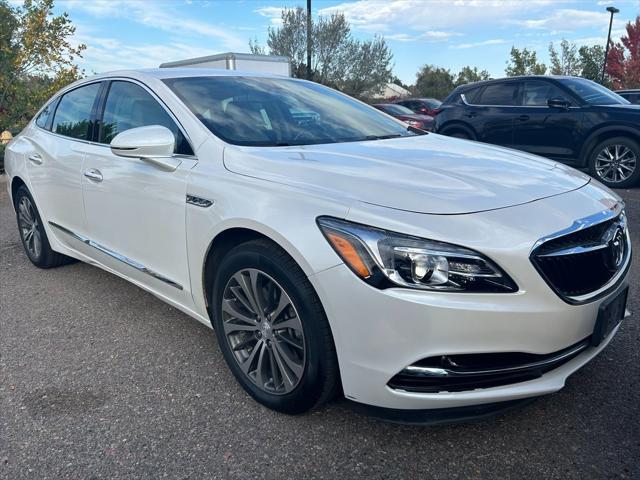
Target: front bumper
378,333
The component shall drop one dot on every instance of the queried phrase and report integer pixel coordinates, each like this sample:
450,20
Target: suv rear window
499,94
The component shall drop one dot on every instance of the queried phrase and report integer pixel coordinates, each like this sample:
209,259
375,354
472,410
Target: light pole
613,11
308,39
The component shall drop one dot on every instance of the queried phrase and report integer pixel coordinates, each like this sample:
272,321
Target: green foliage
591,61
567,61
470,75
433,81
37,59
524,62
338,60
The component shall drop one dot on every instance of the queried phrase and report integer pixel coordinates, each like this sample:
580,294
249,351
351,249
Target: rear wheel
615,162
32,233
272,329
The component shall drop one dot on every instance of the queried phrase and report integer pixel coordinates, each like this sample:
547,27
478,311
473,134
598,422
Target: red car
424,106
423,122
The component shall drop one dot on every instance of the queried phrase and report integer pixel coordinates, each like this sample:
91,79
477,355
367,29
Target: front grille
457,373
585,260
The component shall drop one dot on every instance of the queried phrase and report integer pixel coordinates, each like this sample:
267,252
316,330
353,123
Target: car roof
166,73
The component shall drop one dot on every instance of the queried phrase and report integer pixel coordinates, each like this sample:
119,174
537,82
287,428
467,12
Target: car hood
426,174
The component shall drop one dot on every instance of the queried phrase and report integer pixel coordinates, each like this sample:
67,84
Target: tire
314,378
618,151
459,134
32,234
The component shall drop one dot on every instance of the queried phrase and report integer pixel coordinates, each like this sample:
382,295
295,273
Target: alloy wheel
29,227
615,163
263,331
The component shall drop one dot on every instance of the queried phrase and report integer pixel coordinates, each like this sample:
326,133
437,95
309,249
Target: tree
567,62
338,60
623,62
37,58
591,61
432,81
470,75
524,62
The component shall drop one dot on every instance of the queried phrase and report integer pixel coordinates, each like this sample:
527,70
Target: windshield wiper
382,137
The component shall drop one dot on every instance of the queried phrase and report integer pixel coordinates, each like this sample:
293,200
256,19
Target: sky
447,33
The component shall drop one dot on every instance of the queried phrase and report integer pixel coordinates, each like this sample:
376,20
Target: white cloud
567,19
494,41
433,36
100,57
381,16
157,15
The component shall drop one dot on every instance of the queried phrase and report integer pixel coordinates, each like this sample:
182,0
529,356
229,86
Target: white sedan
331,248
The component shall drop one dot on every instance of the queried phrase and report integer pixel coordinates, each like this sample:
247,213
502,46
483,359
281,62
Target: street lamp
613,11
308,39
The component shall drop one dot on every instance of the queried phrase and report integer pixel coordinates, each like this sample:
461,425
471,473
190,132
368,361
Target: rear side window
472,95
43,119
130,106
73,115
499,94
536,94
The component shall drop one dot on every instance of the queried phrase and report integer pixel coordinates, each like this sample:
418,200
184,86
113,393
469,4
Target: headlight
385,259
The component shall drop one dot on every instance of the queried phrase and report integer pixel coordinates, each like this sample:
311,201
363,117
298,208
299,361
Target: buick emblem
616,250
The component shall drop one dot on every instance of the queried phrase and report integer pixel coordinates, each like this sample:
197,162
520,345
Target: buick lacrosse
331,247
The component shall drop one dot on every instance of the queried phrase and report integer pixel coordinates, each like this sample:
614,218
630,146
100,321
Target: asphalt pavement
99,379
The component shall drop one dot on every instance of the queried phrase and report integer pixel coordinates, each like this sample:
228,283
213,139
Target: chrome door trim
117,256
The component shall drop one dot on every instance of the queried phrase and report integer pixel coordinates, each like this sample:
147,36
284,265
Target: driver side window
130,106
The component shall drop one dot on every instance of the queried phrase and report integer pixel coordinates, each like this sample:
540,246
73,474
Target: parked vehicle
330,247
422,106
632,95
569,119
423,122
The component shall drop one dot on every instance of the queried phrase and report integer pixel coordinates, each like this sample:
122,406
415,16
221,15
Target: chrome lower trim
443,372
117,256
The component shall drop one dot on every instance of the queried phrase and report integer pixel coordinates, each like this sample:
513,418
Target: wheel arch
231,236
16,183
602,134
457,126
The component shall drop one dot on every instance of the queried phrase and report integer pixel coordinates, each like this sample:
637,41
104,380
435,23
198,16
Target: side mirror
559,102
153,144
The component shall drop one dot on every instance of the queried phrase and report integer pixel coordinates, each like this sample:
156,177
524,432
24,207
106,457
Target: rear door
135,210
63,130
492,113
543,130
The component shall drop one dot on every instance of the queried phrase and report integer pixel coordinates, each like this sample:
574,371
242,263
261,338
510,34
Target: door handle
523,118
93,174
472,114
35,159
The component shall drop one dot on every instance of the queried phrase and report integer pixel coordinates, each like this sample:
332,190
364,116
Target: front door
136,211
547,131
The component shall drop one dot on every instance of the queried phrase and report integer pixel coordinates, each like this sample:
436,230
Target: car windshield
255,111
432,102
397,110
593,93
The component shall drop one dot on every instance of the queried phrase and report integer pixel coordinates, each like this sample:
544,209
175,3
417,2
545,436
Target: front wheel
272,329
614,162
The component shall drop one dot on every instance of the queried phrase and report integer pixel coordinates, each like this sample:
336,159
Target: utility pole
613,11
308,39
